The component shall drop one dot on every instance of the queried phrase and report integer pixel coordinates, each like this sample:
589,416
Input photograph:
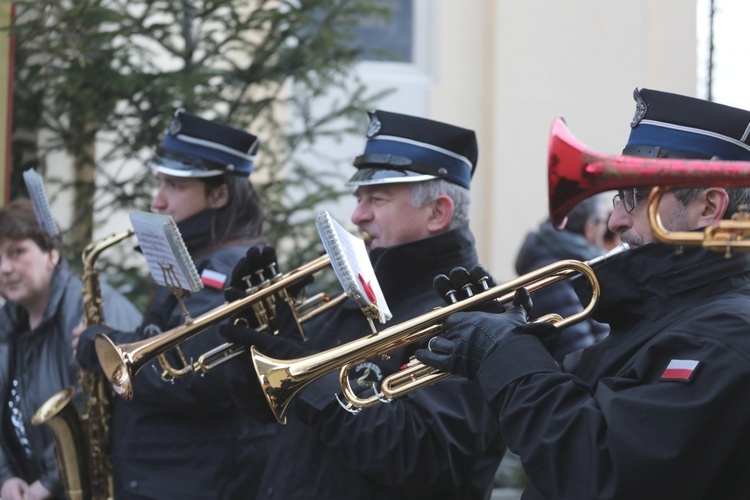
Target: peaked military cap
402,148
675,126
195,147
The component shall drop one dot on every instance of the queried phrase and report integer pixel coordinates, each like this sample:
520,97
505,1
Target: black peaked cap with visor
402,148
669,125
196,147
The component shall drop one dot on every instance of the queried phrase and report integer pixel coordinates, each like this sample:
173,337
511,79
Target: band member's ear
218,197
442,212
713,203
54,257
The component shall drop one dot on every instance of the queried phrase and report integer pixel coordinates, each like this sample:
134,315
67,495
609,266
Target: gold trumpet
281,380
576,173
121,362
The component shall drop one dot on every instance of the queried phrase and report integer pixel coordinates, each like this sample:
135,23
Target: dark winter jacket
42,363
185,439
437,442
659,409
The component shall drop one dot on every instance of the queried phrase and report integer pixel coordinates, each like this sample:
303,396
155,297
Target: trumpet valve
442,284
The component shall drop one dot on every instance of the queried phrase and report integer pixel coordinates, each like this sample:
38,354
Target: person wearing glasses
659,408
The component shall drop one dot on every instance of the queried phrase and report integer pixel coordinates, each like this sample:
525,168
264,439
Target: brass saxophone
83,439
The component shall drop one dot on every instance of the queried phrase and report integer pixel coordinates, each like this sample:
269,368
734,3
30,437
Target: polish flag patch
213,279
680,369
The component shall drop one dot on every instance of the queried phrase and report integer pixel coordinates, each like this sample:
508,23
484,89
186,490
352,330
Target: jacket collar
642,281
196,231
414,265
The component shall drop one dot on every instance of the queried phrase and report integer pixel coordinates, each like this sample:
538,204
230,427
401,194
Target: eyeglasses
630,198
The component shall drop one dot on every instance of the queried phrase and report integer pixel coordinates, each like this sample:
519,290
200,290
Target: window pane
389,39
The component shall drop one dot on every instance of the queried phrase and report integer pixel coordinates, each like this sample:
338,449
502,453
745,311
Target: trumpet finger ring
429,344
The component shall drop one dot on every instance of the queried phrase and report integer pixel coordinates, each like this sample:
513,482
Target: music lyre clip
173,283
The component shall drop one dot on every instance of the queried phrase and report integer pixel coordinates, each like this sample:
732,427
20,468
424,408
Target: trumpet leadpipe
281,380
121,362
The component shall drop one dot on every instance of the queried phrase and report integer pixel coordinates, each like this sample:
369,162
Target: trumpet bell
576,172
114,362
278,385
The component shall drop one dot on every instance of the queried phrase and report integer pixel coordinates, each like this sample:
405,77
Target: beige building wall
508,67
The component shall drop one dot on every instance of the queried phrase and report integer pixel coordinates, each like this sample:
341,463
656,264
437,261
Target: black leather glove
274,346
470,337
257,270
461,284
243,382
258,266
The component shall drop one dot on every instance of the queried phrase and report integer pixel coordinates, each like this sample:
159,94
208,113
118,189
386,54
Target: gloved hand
285,345
242,380
470,337
257,270
461,284
243,384
274,346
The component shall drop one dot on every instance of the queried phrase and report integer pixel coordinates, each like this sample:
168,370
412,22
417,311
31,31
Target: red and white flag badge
213,279
680,370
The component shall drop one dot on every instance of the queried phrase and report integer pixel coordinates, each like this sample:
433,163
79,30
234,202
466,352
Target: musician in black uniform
187,439
412,190
660,408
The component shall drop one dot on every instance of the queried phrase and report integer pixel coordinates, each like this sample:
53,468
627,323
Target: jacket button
133,485
270,492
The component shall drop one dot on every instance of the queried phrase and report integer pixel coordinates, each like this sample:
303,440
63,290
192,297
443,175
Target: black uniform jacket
185,439
661,407
438,442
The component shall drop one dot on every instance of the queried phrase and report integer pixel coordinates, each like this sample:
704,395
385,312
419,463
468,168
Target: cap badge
374,127
174,126
640,109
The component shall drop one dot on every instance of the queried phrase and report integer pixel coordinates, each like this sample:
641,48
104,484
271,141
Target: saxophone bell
83,439
71,445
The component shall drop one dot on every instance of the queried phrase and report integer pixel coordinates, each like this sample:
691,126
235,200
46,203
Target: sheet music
164,249
40,202
351,263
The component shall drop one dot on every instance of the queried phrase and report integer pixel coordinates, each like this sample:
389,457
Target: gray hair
425,192
738,197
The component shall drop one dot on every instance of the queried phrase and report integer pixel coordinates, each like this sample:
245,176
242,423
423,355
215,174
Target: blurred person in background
581,239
